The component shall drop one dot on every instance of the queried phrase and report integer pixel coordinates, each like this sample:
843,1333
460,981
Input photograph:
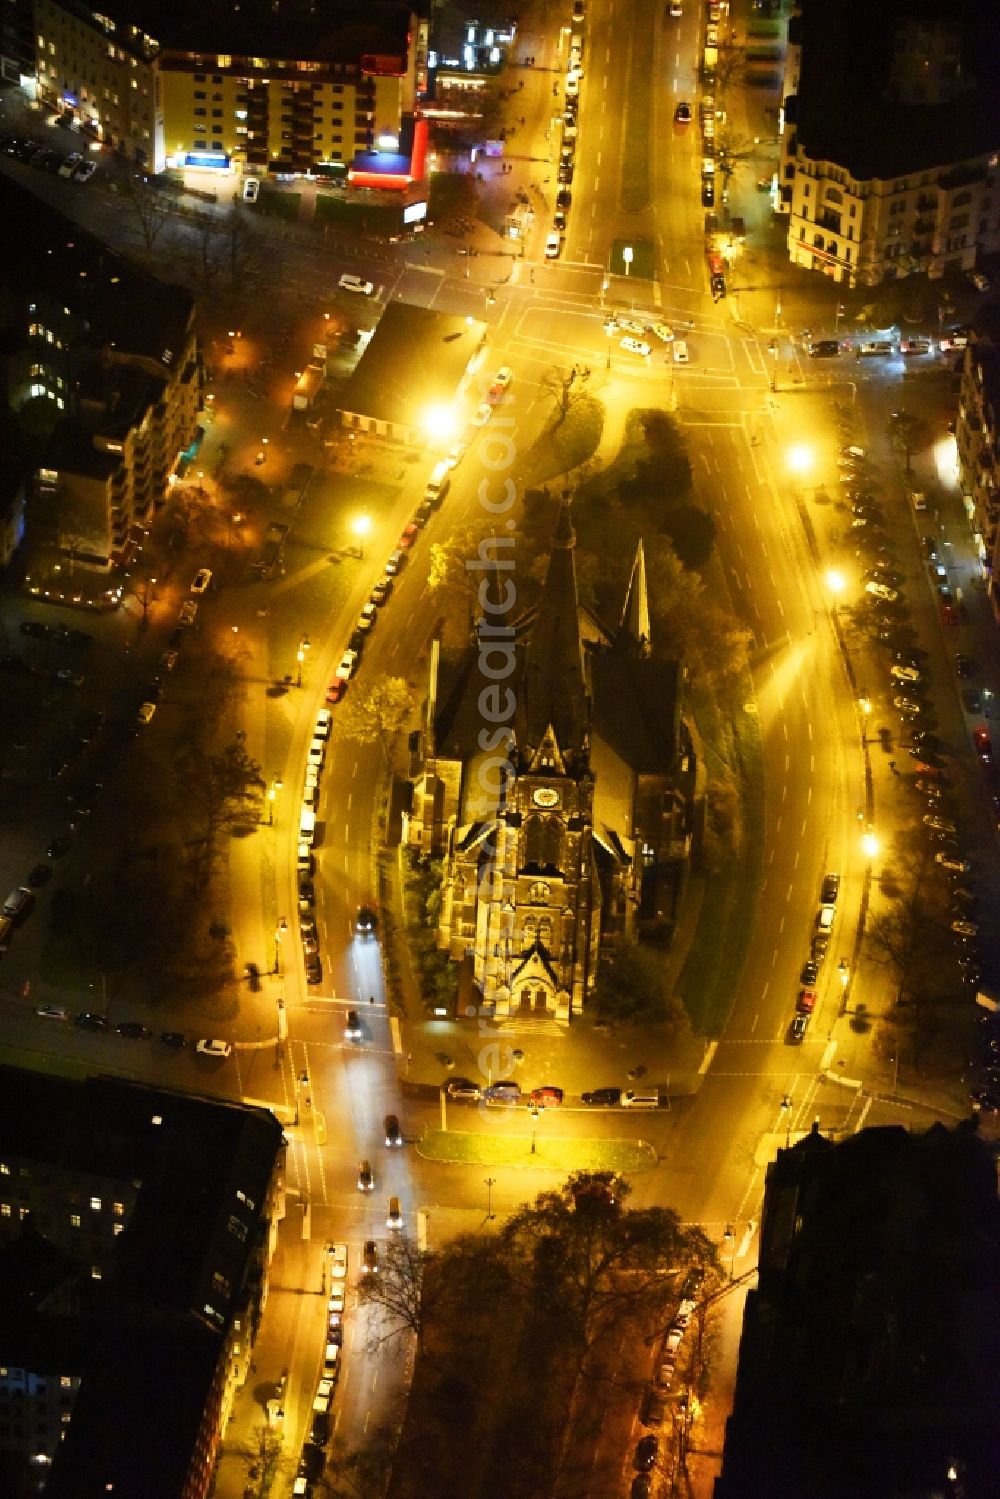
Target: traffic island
566,1154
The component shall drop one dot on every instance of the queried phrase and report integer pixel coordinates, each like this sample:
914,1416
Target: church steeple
554,694
634,631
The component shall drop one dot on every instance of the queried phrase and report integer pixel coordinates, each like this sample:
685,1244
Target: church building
553,776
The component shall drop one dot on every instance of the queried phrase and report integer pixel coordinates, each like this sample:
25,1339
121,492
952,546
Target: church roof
634,632
553,688
636,708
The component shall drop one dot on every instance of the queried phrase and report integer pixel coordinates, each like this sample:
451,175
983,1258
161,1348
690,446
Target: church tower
540,920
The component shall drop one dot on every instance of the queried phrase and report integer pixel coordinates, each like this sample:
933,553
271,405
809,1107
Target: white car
681,355
348,662
357,284
482,414
630,325
52,1012
337,1262
952,864
251,190
553,244
324,723
85,171
457,452
145,713
904,673
663,332
70,165
882,591
676,9
572,86
202,578
210,1047
635,346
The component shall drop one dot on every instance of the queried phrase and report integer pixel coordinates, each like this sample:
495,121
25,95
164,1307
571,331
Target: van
316,753
307,825
576,44
875,346
825,918
919,500
310,797
396,562
331,1361
634,1100
301,1488
304,861
323,1396
18,903
438,484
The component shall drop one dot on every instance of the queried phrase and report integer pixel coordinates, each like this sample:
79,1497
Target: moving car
202,578
393,1136
251,190
52,1012
352,1027
824,348
484,410
366,1179
680,350
366,921
663,332
636,346
882,591
682,114
369,1258
211,1047
357,284
983,743
501,382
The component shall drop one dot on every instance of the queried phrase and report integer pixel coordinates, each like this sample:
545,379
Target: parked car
607,1098
210,1047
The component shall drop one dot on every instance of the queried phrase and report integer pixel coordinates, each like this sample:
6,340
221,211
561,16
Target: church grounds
544,1153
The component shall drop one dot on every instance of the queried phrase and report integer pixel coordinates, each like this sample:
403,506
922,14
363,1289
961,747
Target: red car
336,690
409,536
949,614
807,1001
984,744
546,1098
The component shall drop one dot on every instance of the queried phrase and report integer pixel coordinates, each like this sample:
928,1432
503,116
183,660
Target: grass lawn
552,1152
635,191
711,973
370,218
642,266
279,205
564,447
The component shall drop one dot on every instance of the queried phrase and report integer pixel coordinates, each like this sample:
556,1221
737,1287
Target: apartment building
136,1232
112,352
977,438
890,139
252,87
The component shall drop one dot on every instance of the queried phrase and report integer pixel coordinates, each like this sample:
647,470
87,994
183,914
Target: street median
544,1154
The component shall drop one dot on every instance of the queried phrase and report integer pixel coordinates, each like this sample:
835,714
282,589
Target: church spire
554,693
634,631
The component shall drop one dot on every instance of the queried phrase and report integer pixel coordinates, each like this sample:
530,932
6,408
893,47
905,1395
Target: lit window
95,1272
118,1228
74,1220
4,1169
119,1209
4,1209
95,1203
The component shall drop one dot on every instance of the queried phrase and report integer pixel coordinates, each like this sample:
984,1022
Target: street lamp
627,256
610,329
786,1109
534,1125
361,526
729,1239
869,844
841,312
772,349
300,656
490,1184
272,792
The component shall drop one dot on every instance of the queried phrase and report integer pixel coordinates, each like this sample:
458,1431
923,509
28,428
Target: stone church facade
553,777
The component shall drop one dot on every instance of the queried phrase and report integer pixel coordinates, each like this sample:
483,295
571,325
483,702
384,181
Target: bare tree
566,387
262,1461
908,433
219,790
406,1291
149,205
906,936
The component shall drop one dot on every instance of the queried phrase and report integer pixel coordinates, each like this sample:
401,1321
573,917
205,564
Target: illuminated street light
844,973
279,933
440,423
835,582
272,792
799,458
627,256
869,844
300,656
361,525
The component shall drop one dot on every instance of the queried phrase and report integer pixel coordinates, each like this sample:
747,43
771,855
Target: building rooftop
344,33
122,308
859,87
416,360
870,1352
